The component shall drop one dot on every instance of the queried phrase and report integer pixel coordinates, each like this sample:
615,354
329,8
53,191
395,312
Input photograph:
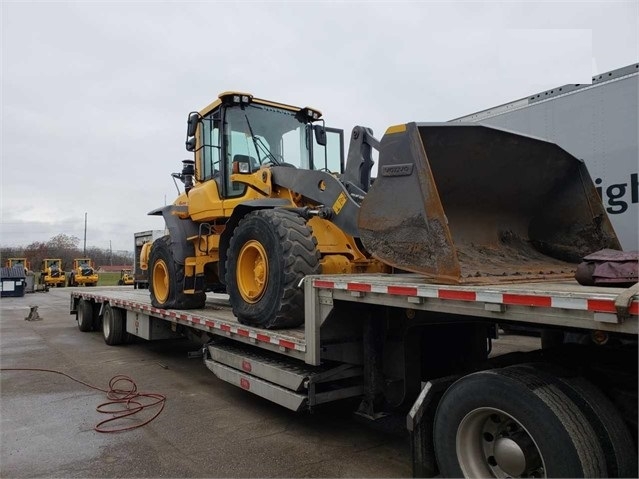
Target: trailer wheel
614,436
269,253
84,315
166,282
112,325
511,422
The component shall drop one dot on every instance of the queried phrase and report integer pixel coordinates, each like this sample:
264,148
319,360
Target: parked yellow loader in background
83,273
51,273
11,262
126,278
268,201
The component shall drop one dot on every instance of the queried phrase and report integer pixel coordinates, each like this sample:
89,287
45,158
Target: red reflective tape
366,288
173,314
528,300
458,295
243,332
287,344
246,366
601,305
318,283
209,324
263,337
634,308
402,290
245,384
184,316
225,327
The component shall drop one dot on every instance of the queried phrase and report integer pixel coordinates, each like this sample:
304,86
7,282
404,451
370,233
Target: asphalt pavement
208,428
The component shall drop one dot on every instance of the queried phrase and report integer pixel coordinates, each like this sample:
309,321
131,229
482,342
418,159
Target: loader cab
241,134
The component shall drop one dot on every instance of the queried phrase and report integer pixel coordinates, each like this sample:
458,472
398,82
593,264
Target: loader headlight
241,167
311,113
241,99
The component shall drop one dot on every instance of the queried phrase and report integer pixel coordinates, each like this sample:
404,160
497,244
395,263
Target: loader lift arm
359,163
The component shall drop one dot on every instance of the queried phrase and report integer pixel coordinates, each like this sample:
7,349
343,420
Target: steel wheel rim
492,443
161,281
252,271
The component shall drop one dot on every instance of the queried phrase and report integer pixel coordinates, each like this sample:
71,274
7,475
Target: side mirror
191,124
320,134
190,143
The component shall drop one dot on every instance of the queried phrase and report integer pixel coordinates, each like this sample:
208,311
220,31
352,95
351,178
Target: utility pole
110,254
85,236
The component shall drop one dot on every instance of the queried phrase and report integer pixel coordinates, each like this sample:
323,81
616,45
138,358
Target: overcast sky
95,95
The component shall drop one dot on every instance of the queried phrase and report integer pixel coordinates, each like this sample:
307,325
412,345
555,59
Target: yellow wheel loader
268,200
11,262
51,273
126,278
83,273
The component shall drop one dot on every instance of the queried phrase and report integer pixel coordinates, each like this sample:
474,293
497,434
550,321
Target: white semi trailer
597,123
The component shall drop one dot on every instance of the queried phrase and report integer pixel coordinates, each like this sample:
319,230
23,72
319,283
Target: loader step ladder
287,382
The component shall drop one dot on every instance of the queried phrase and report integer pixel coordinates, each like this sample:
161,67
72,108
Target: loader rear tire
269,253
166,283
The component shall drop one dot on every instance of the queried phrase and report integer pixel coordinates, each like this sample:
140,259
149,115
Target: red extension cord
122,392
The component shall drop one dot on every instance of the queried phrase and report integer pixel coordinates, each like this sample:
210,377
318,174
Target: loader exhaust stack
470,203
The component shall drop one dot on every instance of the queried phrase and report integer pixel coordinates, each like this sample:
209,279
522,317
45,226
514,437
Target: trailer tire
84,315
614,436
166,282
271,250
112,325
511,422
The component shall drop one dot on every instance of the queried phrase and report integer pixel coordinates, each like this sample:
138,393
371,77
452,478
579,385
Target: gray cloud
95,94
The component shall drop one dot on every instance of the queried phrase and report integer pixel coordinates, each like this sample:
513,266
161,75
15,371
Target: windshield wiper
259,145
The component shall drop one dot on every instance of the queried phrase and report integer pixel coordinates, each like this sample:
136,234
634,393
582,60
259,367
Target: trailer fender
419,423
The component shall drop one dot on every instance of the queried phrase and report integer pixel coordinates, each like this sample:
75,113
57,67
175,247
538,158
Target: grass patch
109,278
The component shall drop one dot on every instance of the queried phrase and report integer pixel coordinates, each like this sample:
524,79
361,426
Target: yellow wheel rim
161,281
252,271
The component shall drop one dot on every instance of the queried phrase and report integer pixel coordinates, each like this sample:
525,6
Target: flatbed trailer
400,344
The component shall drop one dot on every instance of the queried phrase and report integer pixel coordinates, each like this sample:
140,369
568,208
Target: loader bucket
466,203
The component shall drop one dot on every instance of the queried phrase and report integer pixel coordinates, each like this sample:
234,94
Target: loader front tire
269,253
166,283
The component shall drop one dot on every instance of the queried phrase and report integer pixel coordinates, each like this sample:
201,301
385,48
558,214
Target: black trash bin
12,281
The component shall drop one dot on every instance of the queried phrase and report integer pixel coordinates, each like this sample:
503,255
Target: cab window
210,141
